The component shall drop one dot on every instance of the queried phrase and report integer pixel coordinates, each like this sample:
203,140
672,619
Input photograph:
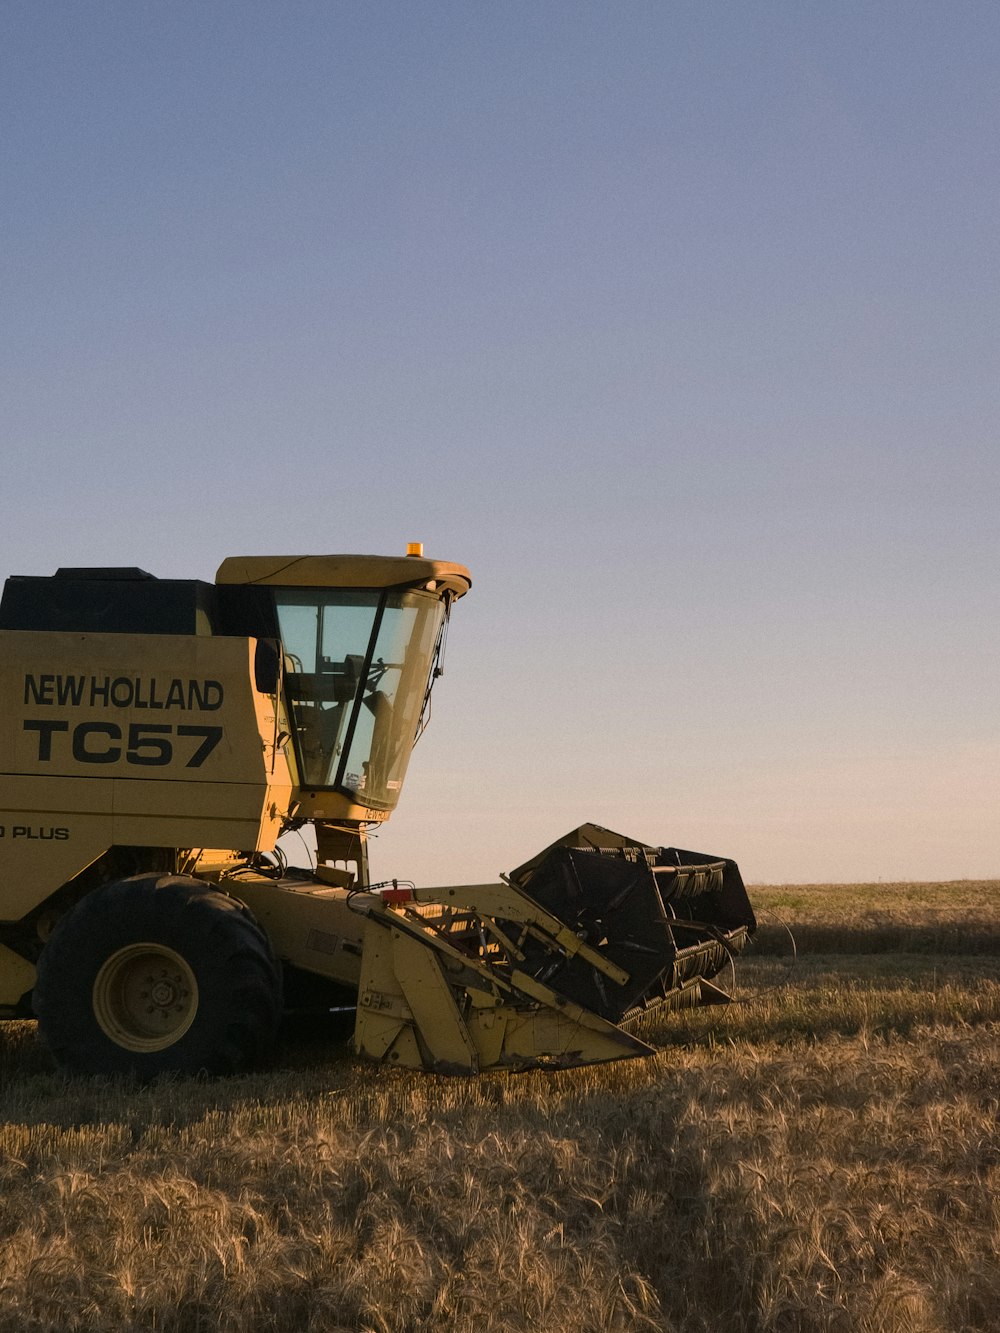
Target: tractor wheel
158,974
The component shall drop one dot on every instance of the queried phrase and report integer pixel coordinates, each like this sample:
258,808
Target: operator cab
358,669
361,640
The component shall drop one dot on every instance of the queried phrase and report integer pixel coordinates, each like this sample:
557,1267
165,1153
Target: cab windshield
357,671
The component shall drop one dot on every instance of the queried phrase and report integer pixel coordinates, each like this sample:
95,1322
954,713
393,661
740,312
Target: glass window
357,666
395,688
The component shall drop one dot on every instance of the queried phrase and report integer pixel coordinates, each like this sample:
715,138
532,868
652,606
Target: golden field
824,1154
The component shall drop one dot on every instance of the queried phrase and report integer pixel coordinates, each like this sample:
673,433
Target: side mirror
266,666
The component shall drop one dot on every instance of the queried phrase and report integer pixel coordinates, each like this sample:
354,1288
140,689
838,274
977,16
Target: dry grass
822,1155
958,917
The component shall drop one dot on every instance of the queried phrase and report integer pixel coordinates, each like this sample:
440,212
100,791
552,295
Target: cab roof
345,571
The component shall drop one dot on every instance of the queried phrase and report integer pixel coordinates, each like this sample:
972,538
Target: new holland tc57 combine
158,738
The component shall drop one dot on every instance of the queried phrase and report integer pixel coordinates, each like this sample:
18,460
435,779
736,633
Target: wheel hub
145,997
163,993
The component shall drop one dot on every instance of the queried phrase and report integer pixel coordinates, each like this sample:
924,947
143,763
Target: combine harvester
160,736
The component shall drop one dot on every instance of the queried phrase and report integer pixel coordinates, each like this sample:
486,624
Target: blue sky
677,323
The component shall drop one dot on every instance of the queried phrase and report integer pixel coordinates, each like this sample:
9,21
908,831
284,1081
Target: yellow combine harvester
160,735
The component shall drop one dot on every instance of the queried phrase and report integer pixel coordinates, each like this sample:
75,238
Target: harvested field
824,1154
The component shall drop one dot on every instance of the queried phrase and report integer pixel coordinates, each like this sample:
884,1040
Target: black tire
158,974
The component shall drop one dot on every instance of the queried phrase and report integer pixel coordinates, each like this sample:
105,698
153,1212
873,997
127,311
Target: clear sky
676,322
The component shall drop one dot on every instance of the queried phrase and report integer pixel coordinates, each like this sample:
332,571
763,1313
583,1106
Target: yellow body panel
17,976
130,740
309,925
